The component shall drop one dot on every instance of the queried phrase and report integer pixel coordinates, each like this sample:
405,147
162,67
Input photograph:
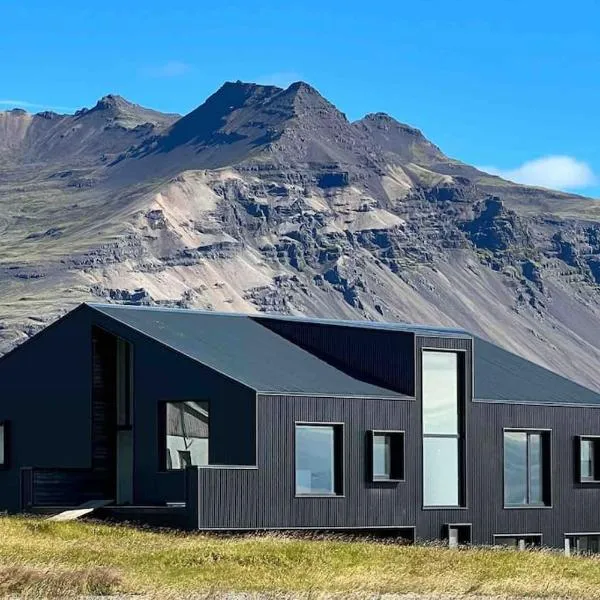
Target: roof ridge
366,324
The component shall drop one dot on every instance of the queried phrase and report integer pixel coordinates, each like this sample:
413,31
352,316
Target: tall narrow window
319,460
387,455
186,425
589,459
124,384
526,468
3,445
442,429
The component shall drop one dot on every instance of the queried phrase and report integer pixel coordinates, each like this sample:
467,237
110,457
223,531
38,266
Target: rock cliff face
265,199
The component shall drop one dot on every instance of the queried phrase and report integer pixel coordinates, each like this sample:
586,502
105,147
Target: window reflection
524,467
316,459
2,443
440,392
441,429
187,429
440,470
382,456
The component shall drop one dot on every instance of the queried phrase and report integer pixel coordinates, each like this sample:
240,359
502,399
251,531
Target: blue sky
513,86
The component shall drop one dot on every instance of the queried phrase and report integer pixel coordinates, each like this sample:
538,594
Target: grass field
40,558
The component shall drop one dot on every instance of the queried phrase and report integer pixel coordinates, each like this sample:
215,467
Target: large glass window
318,459
526,454
387,450
442,429
440,392
440,471
187,434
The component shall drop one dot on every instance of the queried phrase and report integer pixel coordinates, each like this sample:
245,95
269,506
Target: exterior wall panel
265,498
384,358
163,375
45,395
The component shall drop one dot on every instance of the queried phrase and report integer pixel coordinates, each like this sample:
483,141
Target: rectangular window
387,455
442,374
319,459
526,468
186,426
458,534
3,444
584,544
589,459
124,384
440,467
521,542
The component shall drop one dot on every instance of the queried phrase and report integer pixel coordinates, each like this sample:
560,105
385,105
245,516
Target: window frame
595,479
162,433
5,464
463,528
546,446
339,449
519,536
401,471
460,436
572,536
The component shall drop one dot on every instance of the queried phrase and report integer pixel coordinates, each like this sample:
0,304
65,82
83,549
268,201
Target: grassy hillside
40,558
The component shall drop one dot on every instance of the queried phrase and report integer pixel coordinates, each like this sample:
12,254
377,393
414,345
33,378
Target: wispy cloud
172,68
554,172
282,79
33,105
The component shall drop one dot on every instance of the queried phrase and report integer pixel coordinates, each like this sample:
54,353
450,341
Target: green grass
41,558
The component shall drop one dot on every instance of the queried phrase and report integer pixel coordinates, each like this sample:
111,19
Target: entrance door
124,437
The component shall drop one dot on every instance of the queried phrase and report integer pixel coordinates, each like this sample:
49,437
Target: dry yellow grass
40,558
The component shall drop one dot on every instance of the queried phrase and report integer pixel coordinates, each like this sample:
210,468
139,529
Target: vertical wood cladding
104,400
265,497
380,357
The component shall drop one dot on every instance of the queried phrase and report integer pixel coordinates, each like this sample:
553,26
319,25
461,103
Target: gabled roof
502,376
242,349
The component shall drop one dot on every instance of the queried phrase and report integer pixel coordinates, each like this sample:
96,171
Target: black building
214,421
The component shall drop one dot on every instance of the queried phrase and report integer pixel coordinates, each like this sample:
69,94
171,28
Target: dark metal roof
419,329
242,349
502,376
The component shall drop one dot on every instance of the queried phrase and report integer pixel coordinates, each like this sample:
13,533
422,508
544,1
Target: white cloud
172,68
554,172
33,105
282,79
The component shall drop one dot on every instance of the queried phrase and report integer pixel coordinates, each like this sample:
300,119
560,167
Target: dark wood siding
265,497
63,487
104,403
384,358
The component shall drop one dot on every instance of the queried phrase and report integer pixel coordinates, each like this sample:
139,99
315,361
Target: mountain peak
113,102
384,121
117,111
406,141
303,87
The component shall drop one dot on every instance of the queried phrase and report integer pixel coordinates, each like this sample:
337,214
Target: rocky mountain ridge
272,200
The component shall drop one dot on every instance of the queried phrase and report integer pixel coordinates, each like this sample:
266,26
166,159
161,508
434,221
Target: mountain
270,199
